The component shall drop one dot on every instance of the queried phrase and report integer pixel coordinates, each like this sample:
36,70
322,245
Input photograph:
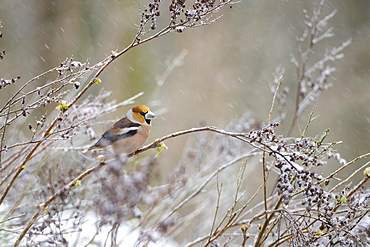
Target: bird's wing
121,129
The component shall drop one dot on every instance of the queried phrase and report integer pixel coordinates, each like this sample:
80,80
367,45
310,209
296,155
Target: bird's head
140,114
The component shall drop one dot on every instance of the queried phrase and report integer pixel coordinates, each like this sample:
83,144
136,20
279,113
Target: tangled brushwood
49,192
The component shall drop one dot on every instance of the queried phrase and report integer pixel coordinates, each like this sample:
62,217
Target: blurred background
209,75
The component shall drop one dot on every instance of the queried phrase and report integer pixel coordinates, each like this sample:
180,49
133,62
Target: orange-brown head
140,114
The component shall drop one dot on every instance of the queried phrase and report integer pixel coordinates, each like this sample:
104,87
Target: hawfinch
129,133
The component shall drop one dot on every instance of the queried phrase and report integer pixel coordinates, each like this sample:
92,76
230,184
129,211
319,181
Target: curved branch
71,184
44,205
106,62
188,131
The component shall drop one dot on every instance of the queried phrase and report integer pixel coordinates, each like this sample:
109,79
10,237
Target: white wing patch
126,130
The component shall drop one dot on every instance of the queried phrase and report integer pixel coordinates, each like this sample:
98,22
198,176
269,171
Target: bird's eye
143,113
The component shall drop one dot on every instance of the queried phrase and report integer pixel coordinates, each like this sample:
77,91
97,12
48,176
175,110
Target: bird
129,133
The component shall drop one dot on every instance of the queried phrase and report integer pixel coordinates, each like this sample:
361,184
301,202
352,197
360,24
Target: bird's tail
95,146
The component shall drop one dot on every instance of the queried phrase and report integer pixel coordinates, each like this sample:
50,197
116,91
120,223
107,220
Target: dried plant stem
187,199
308,89
91,170
7,104
264,174
18,171
42,207
45,137
230,214
219,190
239,214
358,186
71,77
353,190
105,63
274,97
3,137
349,177
346,165
184,132
262,235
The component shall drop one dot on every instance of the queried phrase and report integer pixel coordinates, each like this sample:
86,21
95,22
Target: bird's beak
150,115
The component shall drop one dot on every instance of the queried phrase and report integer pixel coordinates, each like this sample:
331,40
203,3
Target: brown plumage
129,133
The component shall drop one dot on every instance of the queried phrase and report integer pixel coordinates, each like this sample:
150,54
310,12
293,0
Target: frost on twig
53,112
311,85
280,95
183,14
314,78
201,200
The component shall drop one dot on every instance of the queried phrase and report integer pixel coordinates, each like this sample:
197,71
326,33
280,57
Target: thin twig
349,178
42,207
186,200
346,165
219,189
274,97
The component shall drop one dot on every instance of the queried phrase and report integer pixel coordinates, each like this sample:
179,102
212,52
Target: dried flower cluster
53,225
21,104
122,193
293,157
150,14
6,82
181,15
313,77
